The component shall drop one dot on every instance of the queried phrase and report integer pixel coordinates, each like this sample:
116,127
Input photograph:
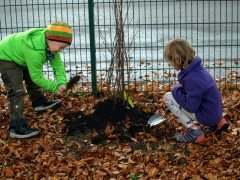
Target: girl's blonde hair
179,52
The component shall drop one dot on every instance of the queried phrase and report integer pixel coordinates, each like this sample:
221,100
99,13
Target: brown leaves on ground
53,155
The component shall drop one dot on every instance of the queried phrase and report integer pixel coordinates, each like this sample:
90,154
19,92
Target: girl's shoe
191,135
220,127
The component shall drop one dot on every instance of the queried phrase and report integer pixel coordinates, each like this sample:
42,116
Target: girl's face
176,64
171,57
56,46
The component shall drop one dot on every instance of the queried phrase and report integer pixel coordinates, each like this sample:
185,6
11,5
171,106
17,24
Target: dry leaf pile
149,154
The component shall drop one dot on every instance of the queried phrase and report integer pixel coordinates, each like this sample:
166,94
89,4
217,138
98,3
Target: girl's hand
61,90
178,85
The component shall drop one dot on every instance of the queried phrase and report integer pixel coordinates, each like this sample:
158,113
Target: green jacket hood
35,39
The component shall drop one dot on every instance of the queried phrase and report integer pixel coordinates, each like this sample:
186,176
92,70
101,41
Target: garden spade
157,119
72,82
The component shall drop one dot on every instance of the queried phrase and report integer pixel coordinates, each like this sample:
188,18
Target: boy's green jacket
28,49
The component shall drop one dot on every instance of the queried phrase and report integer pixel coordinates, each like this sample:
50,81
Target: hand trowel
157,119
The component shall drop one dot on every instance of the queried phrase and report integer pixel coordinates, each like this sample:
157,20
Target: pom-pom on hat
59,31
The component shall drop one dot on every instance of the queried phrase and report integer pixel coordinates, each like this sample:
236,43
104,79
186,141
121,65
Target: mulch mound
112,119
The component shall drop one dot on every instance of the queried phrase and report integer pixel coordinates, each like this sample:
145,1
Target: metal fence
210,26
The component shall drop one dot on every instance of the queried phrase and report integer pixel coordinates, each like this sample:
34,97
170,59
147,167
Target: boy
22,56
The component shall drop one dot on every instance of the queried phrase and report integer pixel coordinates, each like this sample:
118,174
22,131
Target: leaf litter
80,140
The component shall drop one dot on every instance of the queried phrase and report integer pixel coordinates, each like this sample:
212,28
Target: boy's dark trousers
13,76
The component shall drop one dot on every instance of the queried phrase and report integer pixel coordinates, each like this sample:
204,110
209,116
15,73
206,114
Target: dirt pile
111,119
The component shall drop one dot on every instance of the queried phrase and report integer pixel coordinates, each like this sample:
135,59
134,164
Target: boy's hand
61,90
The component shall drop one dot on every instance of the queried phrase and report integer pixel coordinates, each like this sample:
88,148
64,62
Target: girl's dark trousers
13,77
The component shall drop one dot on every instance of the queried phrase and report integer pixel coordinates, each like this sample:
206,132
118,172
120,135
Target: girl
196,97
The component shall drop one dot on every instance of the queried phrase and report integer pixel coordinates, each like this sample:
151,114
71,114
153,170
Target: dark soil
113,123
123,121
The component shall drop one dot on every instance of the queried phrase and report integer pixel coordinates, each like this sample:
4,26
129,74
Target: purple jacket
197,93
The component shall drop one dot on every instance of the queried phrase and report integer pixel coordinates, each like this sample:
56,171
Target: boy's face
56,46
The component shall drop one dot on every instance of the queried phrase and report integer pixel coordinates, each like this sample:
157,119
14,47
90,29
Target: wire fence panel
210,26
20,15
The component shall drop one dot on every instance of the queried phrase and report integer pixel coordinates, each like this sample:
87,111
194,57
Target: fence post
92,46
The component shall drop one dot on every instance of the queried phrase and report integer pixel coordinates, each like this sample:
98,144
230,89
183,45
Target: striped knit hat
59,31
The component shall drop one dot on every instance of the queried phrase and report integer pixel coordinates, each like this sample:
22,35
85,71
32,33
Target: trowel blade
155,119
